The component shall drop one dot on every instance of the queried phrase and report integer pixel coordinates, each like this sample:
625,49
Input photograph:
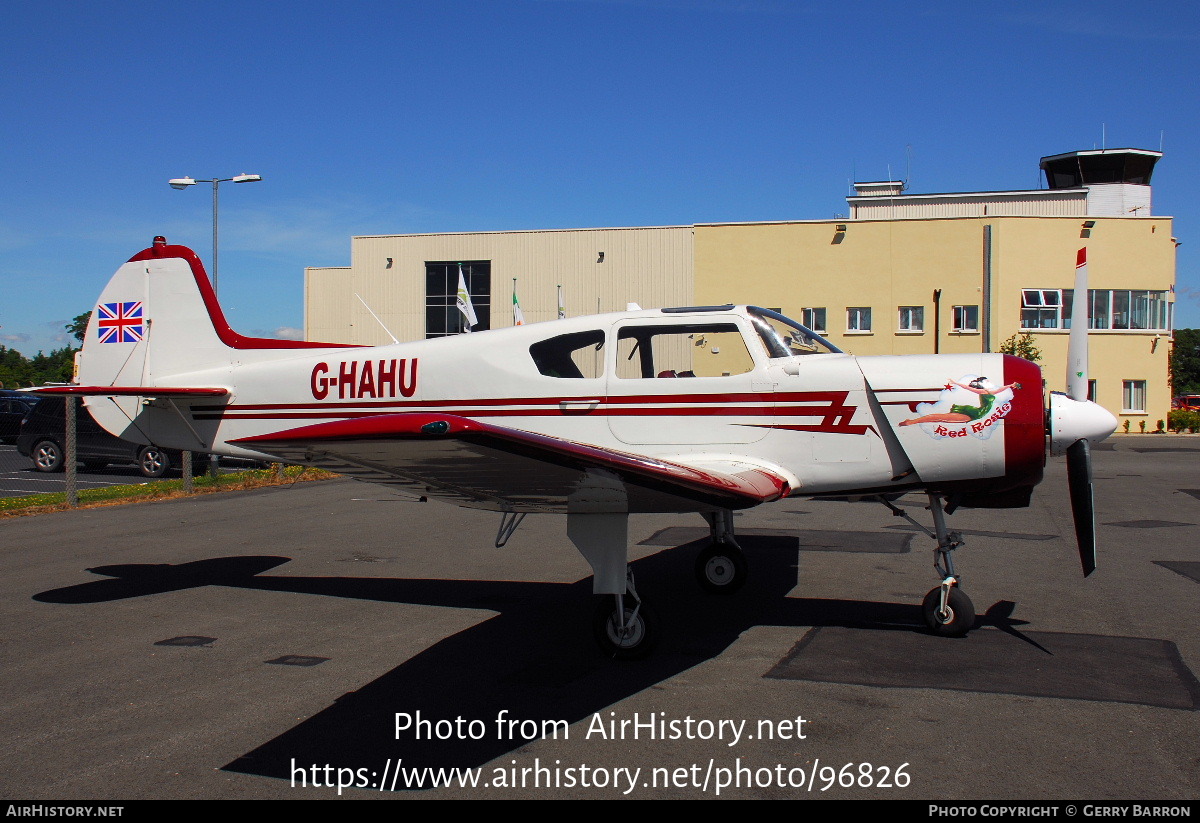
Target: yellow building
904,274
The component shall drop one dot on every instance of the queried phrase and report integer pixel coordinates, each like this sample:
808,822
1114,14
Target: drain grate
186,640
297,660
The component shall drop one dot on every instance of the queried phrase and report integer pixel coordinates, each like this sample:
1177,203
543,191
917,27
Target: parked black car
14,406
41,439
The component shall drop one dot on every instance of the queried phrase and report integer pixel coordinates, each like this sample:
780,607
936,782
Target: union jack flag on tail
120,322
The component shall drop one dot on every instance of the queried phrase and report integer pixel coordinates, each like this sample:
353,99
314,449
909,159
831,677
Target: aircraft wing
478,464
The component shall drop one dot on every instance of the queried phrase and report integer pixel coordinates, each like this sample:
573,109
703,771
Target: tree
78,326
17,370
1021,345
1185,362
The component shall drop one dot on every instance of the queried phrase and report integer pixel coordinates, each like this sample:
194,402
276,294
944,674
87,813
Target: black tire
721,568
961,617
643,636
153,462
47,456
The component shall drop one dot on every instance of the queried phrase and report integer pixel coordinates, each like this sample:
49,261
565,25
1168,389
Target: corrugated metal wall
648,266
327,296
1119,200
1017,204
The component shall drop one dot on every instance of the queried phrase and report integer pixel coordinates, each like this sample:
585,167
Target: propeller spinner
1076,423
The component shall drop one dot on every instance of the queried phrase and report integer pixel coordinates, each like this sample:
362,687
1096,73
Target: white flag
464,301
562,310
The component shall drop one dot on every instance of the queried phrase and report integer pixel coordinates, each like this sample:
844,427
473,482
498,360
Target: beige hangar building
903,274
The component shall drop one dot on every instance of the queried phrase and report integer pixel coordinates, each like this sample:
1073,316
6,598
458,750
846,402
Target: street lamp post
182,183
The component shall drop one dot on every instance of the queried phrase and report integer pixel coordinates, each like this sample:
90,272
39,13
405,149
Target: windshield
784,337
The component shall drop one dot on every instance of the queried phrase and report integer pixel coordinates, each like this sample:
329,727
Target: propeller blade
1077,344
1079,481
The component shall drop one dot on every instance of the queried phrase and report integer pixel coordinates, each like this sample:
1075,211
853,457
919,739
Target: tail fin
158,318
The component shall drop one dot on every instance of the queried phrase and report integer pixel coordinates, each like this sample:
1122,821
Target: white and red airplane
703,409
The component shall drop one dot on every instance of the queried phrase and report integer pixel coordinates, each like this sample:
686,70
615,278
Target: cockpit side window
684,350
579,355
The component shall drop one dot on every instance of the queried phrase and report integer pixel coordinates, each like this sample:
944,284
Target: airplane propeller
1076,423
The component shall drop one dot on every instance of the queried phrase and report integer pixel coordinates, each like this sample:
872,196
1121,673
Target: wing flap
476,463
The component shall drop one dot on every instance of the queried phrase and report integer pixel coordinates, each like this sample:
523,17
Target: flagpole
518,316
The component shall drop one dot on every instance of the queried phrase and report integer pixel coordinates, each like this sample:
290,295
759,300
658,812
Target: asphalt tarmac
249,645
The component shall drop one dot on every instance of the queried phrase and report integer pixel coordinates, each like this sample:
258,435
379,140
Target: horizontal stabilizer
127,391
479,464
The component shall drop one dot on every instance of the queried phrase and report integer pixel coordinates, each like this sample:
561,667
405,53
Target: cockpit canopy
683,346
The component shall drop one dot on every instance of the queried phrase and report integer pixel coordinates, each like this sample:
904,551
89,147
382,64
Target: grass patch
160,490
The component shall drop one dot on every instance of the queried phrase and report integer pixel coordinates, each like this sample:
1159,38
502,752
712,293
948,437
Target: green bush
1183,419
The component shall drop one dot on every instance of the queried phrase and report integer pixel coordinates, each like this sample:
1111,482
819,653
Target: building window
966,318
442,316
858,319
1129,309
912,318
1092,390
813,319
1109,309
1041,308
1133,396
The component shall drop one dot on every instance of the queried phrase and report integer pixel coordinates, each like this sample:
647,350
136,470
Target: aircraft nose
1074,420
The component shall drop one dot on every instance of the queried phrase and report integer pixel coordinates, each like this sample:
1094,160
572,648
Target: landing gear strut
721,567
947,610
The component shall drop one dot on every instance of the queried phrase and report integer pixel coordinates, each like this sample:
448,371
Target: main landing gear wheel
635,638
958,617
721,568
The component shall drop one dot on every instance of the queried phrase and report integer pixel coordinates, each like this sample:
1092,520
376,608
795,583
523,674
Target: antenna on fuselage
377,320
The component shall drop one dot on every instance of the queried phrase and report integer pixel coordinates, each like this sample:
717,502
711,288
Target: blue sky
475,115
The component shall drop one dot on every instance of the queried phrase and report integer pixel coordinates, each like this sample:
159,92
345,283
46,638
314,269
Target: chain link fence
57,452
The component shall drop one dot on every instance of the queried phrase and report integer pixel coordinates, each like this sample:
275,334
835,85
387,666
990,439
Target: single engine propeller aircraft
702,409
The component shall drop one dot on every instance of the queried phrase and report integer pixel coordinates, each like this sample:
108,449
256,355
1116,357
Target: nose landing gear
947,610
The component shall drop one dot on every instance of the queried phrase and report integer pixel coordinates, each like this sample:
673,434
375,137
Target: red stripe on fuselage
747,397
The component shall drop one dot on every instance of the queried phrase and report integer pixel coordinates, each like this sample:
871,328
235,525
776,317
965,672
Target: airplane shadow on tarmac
535,659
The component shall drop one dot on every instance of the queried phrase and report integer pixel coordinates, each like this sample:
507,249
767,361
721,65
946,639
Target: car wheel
153,462
48,456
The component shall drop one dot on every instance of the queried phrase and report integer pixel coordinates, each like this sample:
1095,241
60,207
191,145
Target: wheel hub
719,570
630,634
